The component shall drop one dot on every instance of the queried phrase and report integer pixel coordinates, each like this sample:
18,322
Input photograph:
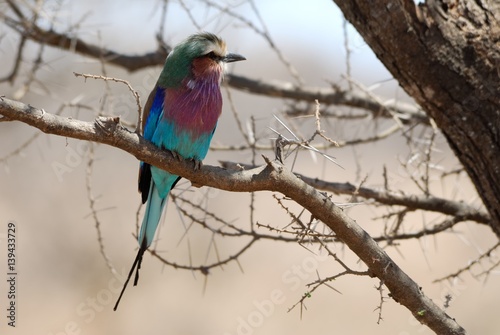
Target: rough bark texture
446,55
270,177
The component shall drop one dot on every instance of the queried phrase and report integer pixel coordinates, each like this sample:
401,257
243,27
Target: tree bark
270,177
446,55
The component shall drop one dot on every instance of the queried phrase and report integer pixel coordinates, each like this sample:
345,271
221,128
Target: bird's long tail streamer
150,222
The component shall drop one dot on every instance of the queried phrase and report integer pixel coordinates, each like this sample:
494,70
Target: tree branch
270,177
456,51
458,209
75,44
407,113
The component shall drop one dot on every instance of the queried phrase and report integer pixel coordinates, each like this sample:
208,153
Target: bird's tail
150,222
152,216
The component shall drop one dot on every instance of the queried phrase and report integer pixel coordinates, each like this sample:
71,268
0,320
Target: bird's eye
213,56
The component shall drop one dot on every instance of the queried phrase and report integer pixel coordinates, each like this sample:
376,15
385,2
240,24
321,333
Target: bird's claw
176,155
197,164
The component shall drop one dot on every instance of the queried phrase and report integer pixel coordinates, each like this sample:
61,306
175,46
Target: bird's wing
153,109
147,107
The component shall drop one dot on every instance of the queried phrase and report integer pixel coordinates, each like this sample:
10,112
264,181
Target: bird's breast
195,108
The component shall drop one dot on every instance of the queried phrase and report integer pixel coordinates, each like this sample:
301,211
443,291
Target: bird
180,115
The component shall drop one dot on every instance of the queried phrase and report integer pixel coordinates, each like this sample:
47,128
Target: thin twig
469,266
92,205
138,129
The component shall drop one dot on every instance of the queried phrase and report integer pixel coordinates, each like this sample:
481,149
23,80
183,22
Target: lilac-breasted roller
180,115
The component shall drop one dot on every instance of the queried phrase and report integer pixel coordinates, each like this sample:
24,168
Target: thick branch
270,177
446,55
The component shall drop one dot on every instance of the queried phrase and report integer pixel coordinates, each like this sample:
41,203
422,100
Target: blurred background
65,285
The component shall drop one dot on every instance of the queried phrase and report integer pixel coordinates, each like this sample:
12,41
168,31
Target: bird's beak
232,57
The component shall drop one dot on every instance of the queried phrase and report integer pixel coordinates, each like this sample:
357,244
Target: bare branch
429,203
436,229
406,113
137,98
264,33
270,177
75,44
92,204
481,257
13,73
319,131
204,269
380,289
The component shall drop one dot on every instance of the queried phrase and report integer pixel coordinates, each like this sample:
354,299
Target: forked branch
270,177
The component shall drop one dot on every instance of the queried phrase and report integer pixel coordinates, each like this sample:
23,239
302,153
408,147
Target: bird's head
202,54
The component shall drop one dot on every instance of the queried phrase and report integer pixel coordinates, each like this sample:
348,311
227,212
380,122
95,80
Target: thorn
278,148
268,162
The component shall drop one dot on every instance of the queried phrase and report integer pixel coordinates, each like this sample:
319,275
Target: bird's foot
176,155
197,164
